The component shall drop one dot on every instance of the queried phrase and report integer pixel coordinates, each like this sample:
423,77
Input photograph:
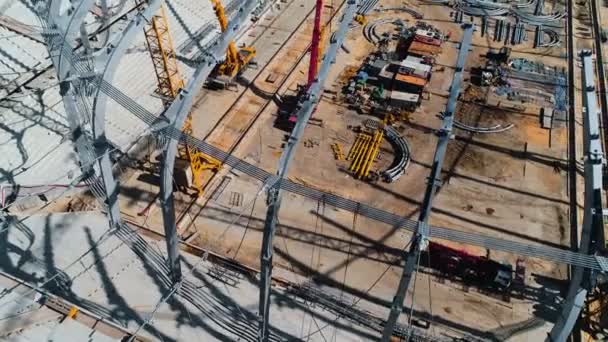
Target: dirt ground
510,185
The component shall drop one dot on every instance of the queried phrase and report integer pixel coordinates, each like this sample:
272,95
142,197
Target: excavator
236,60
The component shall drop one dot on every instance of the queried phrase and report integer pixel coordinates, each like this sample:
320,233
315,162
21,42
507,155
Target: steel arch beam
68,24
592,212
61,45
174,117
274,193
434,181
107,59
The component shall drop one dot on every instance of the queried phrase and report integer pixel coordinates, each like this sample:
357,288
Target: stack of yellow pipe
372,153
362,138
364,152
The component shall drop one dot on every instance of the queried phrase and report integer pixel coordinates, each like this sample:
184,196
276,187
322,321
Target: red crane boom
314,48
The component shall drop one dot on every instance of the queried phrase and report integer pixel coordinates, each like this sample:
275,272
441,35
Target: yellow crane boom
235,59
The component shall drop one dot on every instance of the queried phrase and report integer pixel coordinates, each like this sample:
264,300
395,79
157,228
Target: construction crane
170,82
236,60
315,44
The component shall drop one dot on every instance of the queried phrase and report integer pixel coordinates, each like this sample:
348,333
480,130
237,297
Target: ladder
170,82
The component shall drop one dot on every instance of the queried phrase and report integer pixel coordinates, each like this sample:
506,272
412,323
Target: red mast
314,48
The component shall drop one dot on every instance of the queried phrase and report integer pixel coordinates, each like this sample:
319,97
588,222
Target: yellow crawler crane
236,60
170,82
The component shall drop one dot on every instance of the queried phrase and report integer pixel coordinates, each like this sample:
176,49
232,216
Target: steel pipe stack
538,10
552,41
539,19
501,31
538,36
366,6
484,25
458,15
498,29
402,155
518,33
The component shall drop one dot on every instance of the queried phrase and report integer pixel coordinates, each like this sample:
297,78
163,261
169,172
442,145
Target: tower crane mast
170,82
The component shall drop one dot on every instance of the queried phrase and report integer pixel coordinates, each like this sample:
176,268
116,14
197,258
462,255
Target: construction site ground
511,185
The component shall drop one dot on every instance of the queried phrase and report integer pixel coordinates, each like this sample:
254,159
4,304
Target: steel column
434,181
592,212
175,116
62,32
274,193
68,26
107,59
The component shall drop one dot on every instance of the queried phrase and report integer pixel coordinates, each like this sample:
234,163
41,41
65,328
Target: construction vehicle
170,82
237,60
361,19
471,269
286,120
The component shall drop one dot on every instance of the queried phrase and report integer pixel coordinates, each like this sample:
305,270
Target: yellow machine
236,60
361,19
338,154
170,82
